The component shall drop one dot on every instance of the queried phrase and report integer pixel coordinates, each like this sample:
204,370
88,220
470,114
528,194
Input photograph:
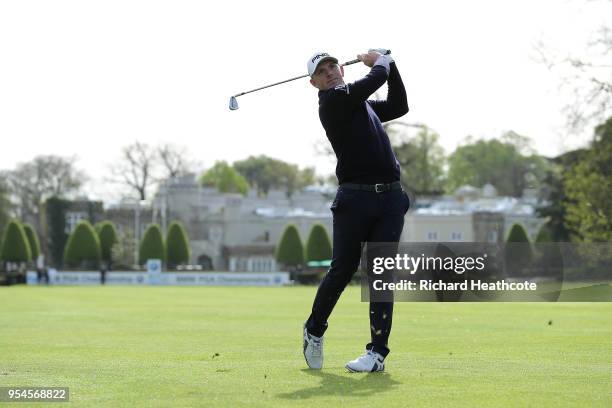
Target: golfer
370,204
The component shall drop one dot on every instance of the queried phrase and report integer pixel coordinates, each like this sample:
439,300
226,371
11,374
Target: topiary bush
107,234
318,245
544,234
83,247
32,240
152,245
15,245
519,254
290,250
177,245
548,254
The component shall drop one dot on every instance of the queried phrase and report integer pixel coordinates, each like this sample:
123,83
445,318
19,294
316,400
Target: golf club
233,103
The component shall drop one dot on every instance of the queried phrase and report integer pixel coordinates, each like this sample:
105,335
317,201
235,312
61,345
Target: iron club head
233,103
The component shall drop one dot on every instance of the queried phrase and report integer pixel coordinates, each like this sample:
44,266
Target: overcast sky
87,77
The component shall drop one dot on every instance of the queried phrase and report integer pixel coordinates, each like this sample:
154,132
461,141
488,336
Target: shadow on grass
350,385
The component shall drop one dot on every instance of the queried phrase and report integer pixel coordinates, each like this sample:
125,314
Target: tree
45,176
152,245
32,240
304,177
588,186
56,224
584,74
83,247
174,160
177,245
15,246
264,173
225,179
107,234
290,250
422,160
136,168
6,206
508,164
518,254
556,201
318,245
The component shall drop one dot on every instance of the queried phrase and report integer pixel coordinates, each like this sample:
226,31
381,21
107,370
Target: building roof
505,205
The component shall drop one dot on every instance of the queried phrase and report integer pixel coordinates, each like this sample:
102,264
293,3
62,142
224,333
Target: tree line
573,188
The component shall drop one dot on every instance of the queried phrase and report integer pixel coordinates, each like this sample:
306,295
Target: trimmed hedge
107,234
177,245
83,247
519,254
32,240
152,245
517,234
318,245
15,245
544,235
548,253
290,250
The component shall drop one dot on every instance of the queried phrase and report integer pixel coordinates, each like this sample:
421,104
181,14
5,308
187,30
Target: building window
72,219
455,236
432,236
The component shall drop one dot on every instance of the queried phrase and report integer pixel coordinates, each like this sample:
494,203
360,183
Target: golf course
235,346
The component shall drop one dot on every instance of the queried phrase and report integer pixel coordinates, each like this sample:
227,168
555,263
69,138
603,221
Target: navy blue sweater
353,125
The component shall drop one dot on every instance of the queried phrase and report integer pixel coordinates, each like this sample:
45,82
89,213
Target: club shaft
289,80
268,86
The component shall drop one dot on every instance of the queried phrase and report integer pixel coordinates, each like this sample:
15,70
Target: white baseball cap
316,59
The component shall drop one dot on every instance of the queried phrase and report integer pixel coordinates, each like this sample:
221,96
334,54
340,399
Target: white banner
227,278
168,278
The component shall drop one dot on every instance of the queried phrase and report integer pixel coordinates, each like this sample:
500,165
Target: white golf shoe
313,350
369,362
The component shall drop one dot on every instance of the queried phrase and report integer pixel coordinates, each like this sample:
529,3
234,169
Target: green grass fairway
219,346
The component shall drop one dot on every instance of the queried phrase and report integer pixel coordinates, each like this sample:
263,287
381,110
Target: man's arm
396,104
346,97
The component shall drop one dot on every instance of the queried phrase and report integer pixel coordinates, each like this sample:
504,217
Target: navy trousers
359,216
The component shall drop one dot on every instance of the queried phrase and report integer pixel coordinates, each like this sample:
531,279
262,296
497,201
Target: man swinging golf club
370,204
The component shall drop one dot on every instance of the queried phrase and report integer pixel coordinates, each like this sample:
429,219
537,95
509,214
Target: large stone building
240,233
472,215
235,232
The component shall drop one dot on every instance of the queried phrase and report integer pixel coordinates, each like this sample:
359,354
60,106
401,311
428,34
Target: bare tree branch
586,76
31,183
175,160
136,168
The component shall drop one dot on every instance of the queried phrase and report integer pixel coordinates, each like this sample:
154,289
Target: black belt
377,188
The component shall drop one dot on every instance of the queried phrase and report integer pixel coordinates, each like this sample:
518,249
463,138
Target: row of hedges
173,251
291,251
88,245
